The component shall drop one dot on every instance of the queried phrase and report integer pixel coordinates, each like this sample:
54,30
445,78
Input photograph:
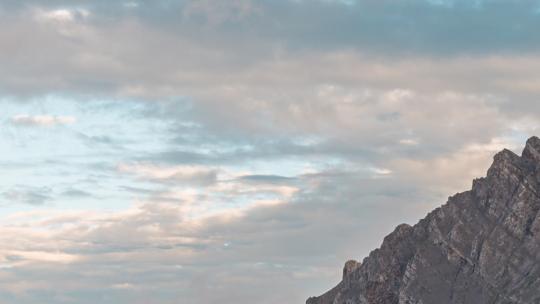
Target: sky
240,151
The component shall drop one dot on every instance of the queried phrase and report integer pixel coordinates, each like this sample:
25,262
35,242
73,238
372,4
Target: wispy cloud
61,15
27,195
42,120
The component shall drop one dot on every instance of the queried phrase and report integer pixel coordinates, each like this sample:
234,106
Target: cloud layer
219,151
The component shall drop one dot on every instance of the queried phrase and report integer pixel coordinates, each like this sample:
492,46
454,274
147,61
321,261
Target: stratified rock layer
482,246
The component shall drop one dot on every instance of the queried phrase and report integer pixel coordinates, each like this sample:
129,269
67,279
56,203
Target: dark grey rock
482,246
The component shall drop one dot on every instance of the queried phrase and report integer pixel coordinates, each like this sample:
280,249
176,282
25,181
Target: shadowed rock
482,246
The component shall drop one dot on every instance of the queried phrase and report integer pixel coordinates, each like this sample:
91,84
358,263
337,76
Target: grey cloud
275,95
27,195
138,190
331,126
158,252
200,178
76,193
99,139
387,26
93,57
154,251
266,179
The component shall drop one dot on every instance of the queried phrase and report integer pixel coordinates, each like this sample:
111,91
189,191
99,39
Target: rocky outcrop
482,246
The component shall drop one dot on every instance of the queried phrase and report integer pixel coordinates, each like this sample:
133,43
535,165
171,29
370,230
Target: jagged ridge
482,246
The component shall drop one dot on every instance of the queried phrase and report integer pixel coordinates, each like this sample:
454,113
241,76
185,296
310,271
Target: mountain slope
482,246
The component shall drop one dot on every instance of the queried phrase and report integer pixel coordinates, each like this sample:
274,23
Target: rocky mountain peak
350,266
532,150
482,246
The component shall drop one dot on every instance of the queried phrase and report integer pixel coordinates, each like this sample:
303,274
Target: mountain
482,246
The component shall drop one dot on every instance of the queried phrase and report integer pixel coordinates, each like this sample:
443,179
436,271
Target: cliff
482,246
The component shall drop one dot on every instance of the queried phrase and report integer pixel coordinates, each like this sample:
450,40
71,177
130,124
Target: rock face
482,246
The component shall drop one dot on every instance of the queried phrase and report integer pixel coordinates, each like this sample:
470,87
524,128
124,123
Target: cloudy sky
240,151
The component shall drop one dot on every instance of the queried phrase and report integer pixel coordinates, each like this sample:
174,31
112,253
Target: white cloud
61,15
42,120
207,191
381,171
131,4
162,172
408,142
